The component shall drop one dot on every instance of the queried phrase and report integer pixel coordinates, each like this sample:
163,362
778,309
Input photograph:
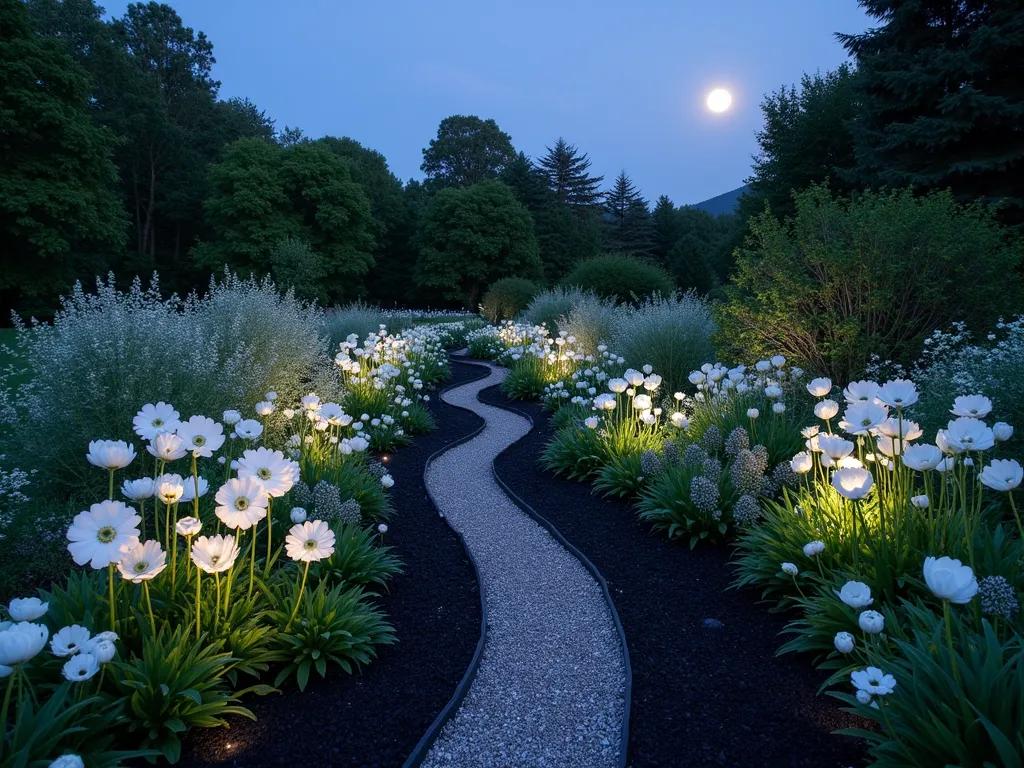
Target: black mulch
374,718
701,695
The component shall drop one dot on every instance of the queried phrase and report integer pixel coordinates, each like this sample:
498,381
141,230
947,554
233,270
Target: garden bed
708,688
375,717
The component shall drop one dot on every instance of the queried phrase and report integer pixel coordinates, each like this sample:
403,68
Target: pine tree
566,172
667,229
628,225
939,96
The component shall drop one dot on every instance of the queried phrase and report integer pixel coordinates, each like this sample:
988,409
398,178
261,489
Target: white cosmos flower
1002,431
231,417
138,490
248,429
898,393
188,526
949,579
802,463
143,562
852,482
922,457
977,406
861,417
835,447
81,667
820,387
103,534
826,409
298,515
21,642
189,488
241,503
27,608
154,419
264,408
871,622
856,594
110,454
69,640
945,445
387,481
201,435
873,681
1002,474
860,391
214,554
169,488
167,447
891,428
969,434
888,446
310,541
274,472
814,548
592,422
844,642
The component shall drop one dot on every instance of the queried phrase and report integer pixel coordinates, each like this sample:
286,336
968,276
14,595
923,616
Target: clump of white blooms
650,464
998,597
704,494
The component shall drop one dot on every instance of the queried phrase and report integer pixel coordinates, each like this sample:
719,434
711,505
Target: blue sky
624,81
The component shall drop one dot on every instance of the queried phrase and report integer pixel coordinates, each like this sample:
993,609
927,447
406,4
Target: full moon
719,100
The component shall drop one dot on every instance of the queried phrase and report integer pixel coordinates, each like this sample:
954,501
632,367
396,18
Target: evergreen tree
940,102
667,230
567,175
628,224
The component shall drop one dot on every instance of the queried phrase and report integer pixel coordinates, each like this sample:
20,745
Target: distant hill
724,203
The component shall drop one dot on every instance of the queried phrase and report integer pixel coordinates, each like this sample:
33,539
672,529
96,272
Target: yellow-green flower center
199,440
106,534
310,544
141,567
158,422
241,503
263,473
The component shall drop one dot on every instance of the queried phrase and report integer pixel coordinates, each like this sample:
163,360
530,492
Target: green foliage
619,277
354,482
574,451
669,505
358,558
467,151
843,279
622,476
525,382
567,173
591,320
506,298
294,264
549,308
628,225
468,238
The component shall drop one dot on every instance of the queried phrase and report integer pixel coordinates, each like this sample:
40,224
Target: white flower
790,569
633,377
270,468
865,698
652,381
802,463
382,528
81,667
154,419
778,408
773,391
763,365
264,408
310,541
241,503
138,490
977,406
1002,431
873,681
679,421
604,402
810,431
1002,474
893,428
618,386
820,387
592,422
271,396
298,515
778,361
899,393
102,648
231,417
189,488
143,562
696,378
844,642
68,761
310,402
920,502
248,429
169,488
753,413
856,594
922,457
871,622
167,447
21,642
201,435
969,434
862,417
387,481
835,447
69,640
188,526
103,534
110,454
814,548
214,554
949,579
826,409
852,482
860,391
27,608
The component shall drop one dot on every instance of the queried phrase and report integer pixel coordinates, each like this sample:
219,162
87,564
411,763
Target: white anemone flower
110,454
334,414
861,417
977,406
856,594
920,502
949,579
214,554
592,422
310,541
898,393
68,760
871,622
151,420
618,386
873,681
922,457
81,667
652,382
138,490
819,387
969,434
642,403
844,642
802,463
201,435
310,402
634,377
860,391
21,642
270,468
1002,474
753,414
826,409
188,526
679,420
27,608
852,482
778,361
143,562
790,569
231,417
814,548
835,447
170,488
189,488
69,640
103,534
1002,431
167,447
264,408
891,427
241,503
248,429
103,649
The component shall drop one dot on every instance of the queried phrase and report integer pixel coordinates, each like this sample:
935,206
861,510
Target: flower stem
298,597
252,561
110,582
216,612
110,494
149,605
270,529
6,705
1016,516
199,579
949,640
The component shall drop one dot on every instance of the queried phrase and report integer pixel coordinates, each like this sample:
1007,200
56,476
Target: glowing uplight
719,100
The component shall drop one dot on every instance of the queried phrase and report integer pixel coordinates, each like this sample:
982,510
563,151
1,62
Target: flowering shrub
550,308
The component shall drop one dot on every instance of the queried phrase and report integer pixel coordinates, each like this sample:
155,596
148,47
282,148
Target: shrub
549,308
506,298
619,277
591,321
362,320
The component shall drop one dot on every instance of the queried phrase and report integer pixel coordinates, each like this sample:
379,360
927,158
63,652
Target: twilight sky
625,82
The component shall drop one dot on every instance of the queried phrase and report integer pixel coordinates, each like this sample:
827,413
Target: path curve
551,685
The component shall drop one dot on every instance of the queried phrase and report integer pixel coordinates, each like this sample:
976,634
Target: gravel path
550,688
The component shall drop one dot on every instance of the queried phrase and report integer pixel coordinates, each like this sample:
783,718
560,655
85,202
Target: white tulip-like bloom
891,427
1002,474
189,488
310,402
1002,431
847,462
604,402
214,554
862,417
382,528
68,761
835,447
188,526
167,447
778,408
100,647
592,422
154,419
871,622
802,463
860,391
248,429
633,377
241,503
814,548
81,667
143,562
274,472
810,431
21,642
778,361
110,454
947,464
264,408
170,488
103,534
820,387
27,608
856,594
920,502
231,417
652,382
898,393
696,378
969,434
138,490
333,414
618,386
642,403
773,391
201,435
826,409
298,515
844,642
753,413
359,444
977,406
873,681
790,569
387,481
949,579
762,366
922,457
69,640
310,541
852,482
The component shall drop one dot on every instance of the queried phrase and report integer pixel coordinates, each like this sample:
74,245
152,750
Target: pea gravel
550,687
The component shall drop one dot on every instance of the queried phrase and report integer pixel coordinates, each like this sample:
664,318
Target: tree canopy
467,150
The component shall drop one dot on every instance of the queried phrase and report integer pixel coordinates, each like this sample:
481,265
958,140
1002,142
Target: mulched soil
701,695
374,718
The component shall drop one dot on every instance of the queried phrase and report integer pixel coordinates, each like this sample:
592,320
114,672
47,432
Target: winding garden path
550,688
